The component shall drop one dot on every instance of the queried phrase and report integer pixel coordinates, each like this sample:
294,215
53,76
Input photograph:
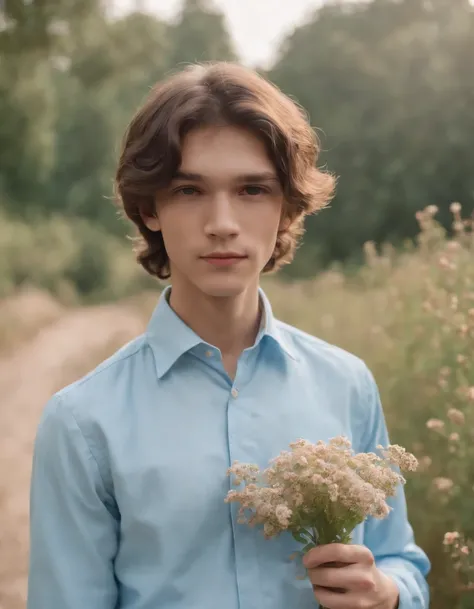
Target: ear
151,222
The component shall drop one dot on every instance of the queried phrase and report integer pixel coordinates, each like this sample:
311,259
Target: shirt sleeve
73,532
391,540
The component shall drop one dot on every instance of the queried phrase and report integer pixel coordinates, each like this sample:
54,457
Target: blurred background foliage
387,84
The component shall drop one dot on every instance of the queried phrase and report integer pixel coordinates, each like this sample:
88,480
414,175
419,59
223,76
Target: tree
387,84
110,70
200,35
32,34
27,27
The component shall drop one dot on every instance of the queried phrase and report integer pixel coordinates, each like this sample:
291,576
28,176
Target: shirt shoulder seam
103,368
70,410
292,332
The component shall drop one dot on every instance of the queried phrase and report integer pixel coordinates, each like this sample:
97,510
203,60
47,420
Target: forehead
224,151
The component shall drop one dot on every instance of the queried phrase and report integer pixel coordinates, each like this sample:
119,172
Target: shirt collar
170,337
271,328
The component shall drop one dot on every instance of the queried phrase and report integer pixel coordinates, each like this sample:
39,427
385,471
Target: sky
257,26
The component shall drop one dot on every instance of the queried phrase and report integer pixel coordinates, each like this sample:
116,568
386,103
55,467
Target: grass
410,316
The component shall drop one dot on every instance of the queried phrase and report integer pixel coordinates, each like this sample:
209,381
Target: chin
223,287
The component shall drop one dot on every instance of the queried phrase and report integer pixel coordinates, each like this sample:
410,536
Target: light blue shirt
129,473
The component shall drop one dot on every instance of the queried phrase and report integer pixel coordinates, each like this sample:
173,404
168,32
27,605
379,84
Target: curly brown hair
210,94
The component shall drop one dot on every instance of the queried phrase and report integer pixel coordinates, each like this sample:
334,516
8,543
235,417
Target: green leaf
308,547
299,537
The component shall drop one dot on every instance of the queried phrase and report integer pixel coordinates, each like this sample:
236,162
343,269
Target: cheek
175,222
175,231
266,223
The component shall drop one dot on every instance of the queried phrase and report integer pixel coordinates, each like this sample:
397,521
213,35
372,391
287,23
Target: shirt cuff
406,600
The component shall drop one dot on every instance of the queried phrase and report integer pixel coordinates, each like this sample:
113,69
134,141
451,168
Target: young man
129,479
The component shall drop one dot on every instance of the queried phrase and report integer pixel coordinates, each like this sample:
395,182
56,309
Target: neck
230,324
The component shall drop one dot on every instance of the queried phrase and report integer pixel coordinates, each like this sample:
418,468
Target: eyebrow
265,176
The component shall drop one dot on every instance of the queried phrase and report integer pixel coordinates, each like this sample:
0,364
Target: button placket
245,540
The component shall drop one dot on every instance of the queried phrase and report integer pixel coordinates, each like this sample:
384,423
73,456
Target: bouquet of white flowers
319,492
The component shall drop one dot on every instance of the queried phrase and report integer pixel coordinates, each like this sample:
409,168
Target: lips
223,256
221,259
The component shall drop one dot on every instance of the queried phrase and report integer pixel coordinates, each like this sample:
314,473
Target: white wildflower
450,538
435,424
325,486
456,416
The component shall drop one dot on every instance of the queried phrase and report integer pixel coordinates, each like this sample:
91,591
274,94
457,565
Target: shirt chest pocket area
176,490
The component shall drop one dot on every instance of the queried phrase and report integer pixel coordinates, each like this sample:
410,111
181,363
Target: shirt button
209,353
234,393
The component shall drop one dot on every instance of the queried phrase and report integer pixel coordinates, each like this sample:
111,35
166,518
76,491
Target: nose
221,220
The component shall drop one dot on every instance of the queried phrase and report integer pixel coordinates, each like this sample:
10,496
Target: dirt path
59,354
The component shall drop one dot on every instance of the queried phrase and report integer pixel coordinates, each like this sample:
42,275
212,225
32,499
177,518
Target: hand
351,580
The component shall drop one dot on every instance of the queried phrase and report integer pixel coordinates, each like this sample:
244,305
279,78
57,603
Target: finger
317,581
351,578
337,552
337,600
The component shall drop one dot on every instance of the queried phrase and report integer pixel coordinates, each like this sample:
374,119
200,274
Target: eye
253,190
188,191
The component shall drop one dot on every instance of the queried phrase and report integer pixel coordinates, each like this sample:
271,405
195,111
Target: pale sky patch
257,26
